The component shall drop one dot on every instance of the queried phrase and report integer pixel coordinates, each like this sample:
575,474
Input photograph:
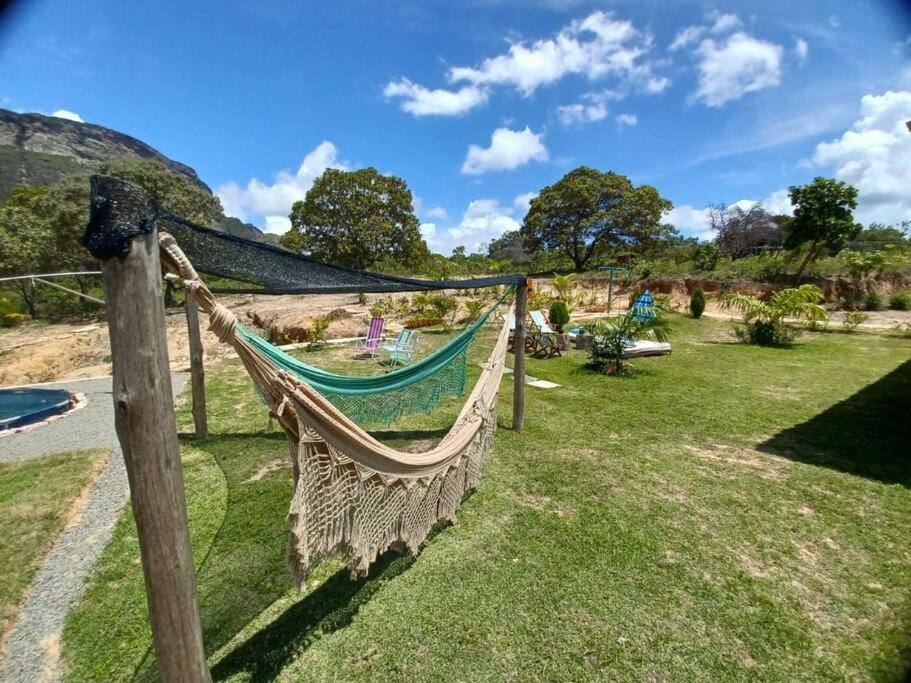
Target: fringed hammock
354,495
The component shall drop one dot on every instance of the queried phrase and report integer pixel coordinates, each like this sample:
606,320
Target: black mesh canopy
276,271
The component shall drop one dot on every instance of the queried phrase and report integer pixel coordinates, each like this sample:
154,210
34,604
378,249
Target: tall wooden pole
122,233
518,347
197,371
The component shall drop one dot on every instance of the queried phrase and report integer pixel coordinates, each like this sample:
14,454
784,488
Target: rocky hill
41,150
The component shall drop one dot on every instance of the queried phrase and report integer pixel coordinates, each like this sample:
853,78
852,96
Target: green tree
355,219
767,322
172,191
588,212
27,240
823,217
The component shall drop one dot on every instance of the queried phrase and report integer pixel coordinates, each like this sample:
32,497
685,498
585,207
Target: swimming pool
21,407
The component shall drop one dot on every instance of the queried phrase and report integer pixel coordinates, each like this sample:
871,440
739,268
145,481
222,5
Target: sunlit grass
730,513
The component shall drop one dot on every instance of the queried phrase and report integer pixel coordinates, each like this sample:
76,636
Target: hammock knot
222,322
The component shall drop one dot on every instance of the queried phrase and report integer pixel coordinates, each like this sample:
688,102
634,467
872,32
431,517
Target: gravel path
33,646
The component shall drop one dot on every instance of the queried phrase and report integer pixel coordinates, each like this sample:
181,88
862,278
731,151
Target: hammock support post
518,378
197,370
122,233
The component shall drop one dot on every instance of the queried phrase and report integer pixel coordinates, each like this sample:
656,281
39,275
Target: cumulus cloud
273,201
68,115
278,225
437,212
801,50
627,120
483,221
523,201
731,68
592,108
597,46
421,101
508,149
717,22
873,156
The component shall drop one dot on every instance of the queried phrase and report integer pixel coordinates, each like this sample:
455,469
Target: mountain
41,150
236,227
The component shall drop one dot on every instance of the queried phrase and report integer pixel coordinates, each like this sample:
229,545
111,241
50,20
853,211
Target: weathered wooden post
518,346
197,370
122,233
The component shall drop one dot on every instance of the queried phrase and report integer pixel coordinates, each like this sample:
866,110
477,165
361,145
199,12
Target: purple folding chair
371,344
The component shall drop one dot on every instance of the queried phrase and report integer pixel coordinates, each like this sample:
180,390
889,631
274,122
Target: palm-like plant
612,335
767,321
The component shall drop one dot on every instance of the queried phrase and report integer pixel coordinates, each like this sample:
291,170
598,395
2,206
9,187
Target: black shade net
276,271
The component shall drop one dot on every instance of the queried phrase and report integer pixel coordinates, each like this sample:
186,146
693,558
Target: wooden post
123,235
197,371
518,347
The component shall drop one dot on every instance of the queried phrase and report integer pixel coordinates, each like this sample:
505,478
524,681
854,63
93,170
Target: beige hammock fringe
353,494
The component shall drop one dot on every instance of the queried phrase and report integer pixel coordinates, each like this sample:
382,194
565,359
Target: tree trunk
810,254
27,292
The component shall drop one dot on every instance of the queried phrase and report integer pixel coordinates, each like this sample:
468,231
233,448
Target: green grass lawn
731,513
36,499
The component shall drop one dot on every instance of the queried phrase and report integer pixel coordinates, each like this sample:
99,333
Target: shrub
558,315
317,332
697,303
874,301
611,335
474,308
852,320
766,333
765,322
706,257
900,301
850,301
12,319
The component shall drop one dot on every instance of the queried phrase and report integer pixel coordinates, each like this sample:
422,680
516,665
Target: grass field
36,499
731,513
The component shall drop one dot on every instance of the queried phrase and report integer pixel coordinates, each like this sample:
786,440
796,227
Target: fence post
122,233
197,370
518,346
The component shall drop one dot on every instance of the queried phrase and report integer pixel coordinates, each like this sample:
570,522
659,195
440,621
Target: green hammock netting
382,399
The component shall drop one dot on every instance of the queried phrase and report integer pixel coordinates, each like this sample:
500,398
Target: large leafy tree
357,219
588,212
823,218
41,228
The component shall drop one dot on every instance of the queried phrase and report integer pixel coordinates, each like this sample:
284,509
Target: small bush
558,315
474,308
317,333
874,301
852,320
900,301
12,319
850,301
697,303
766,333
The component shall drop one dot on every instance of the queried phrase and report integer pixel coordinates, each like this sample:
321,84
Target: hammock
353,494
382,399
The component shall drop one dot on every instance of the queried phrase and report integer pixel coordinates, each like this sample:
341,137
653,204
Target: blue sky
478,105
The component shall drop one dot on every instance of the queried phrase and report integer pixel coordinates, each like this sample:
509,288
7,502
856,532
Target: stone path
33,646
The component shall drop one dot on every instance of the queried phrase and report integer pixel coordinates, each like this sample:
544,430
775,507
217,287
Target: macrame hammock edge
353,494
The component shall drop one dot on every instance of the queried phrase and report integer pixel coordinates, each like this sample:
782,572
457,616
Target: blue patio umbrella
644,308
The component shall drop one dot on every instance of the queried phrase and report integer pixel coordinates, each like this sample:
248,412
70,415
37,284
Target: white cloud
483,220
722,23
278,224
273,201
68,115
627,120
801,50
739,65
508,149
873,156
690,221
523,201
597,46
422,101
685,36
428,230
437,212
778,203
581,113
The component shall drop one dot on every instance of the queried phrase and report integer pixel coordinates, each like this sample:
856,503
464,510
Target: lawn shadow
330,607
867,434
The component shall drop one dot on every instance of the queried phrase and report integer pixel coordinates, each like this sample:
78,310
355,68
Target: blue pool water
20,407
